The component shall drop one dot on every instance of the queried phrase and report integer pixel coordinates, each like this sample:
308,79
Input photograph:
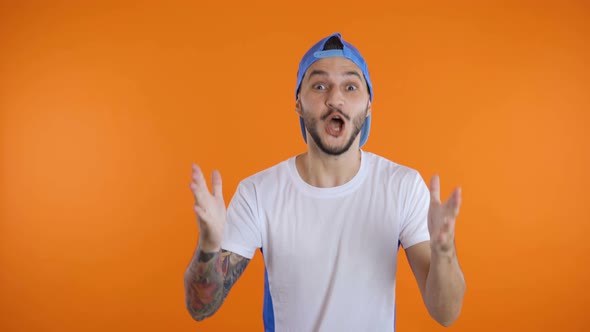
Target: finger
216,184
435,189
448,225
446,231
442,237
453,204
199,180
200,211
199,186
193,187
457,200
198,194
197,174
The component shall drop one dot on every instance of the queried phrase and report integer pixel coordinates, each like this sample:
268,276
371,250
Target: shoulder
383,168
267,181
276,172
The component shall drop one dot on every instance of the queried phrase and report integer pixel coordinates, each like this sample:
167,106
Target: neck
324,171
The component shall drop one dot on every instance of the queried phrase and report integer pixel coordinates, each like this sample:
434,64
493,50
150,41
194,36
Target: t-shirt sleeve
415,204
242,233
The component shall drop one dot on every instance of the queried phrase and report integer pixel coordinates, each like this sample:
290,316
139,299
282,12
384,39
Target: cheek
309,104
362,103
312,99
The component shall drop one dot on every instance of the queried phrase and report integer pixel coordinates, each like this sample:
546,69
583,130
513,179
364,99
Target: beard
311,124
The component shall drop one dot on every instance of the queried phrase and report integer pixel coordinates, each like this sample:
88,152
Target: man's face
334,103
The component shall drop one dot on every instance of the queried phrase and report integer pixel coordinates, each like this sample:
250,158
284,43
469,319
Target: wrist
439,253
206,245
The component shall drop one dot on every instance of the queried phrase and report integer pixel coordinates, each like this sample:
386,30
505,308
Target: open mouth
335,124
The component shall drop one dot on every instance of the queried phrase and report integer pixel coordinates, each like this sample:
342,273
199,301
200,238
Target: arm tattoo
236,265
208,280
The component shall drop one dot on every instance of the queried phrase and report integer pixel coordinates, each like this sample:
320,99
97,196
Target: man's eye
319,87
351,87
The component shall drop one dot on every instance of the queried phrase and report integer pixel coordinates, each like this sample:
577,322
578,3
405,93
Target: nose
335,98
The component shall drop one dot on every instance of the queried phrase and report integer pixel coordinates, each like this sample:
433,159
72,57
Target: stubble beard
311,125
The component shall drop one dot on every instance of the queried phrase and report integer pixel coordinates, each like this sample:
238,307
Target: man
329,221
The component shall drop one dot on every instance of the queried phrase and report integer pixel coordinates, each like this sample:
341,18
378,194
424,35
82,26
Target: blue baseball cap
331,46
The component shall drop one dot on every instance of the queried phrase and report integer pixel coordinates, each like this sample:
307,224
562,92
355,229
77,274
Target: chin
334,150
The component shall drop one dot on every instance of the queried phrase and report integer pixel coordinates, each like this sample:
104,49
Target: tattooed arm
212,271
208,279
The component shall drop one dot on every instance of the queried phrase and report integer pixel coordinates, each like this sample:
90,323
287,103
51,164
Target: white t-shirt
330,254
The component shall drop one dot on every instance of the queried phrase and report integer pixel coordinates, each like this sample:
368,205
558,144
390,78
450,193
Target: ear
298,106
369,108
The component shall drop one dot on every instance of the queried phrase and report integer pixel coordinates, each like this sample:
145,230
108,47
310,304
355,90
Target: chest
352,232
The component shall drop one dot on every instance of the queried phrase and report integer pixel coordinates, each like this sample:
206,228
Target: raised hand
442,217
210,209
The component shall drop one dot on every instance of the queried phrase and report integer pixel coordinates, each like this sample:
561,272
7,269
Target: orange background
105,105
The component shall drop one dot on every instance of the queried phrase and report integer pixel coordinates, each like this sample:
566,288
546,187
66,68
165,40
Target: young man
329,221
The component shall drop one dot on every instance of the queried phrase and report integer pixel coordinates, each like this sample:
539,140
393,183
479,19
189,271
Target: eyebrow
324,73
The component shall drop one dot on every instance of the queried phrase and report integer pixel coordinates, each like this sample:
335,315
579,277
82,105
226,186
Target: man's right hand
210,209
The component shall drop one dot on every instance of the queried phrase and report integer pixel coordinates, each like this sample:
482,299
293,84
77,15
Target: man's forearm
445,287
203,283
